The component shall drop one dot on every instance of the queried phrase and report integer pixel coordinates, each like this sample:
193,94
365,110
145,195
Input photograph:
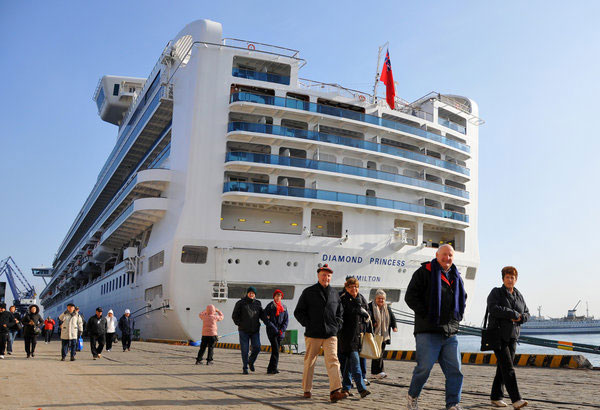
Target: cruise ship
570,324
230,170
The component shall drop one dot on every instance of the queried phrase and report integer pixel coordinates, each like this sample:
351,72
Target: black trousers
275,347
30,342
126,341
109,340
377,364
97,344
505,372
49,333
208,342
3,340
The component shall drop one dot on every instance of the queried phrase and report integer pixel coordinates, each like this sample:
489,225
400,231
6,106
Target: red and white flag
388,79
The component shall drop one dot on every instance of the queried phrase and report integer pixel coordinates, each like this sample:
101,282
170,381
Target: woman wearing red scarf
275,317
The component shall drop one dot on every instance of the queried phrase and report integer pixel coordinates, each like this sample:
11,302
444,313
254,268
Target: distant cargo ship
539,325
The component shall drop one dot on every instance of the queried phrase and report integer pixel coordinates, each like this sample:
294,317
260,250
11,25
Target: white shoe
499,403
1,356
381,375
412,403
520,404
367,383
455,407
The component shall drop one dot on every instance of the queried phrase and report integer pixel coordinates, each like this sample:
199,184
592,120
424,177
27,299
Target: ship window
116,89
238,290
194,254
151,293
391,295
156,261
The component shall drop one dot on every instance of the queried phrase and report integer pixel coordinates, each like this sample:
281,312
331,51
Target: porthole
260,262
267,262
295,263
237,261
229,260
289,263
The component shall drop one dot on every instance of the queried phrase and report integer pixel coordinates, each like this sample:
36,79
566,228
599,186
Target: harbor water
472,344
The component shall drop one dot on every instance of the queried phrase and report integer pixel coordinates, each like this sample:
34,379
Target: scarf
458,289
382,318
279,307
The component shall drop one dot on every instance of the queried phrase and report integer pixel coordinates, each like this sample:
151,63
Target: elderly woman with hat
276,320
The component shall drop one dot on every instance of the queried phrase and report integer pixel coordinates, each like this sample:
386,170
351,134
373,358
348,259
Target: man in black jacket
320,311
246,315
96,328
436,294
6,321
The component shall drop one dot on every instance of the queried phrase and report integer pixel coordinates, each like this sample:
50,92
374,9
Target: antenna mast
377,70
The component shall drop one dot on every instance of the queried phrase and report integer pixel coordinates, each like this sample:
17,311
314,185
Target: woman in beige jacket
71,324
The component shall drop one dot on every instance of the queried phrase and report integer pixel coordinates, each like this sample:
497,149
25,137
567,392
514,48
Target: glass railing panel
256,75
342,168
340,197
350,142
101,97
343,113
452,125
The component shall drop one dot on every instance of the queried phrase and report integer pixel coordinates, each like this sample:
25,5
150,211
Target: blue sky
531,66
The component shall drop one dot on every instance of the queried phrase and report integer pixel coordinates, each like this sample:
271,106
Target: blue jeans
69,344
432,347
245,340
352,370
12,334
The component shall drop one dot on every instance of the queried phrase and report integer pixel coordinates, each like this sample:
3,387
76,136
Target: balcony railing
350,142
341,197
342,168
257,75
452,125
342,113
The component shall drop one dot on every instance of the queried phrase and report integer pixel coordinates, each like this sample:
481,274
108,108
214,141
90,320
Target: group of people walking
101,330
335,323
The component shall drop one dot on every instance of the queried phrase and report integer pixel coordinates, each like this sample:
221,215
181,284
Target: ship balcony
135,219
260,76
250,160
235,190
320,110
237,127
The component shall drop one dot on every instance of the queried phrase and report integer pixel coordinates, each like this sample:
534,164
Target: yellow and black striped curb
525,360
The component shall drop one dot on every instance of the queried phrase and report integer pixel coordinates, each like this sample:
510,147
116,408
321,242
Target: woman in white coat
71,324
111,329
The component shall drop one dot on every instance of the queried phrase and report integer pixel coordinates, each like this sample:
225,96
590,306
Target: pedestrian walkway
159,376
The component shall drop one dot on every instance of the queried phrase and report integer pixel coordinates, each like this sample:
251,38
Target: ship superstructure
230,170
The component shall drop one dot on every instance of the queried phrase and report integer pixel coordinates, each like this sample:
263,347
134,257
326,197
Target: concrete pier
159,376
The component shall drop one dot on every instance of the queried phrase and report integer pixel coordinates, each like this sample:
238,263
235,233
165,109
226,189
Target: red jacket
49,324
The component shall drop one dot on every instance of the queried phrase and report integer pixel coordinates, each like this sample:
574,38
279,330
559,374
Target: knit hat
326,268
127,311
277,291
251,289
110,311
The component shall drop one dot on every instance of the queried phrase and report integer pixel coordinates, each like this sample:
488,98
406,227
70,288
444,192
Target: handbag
79,346
370,345
37,331
490,337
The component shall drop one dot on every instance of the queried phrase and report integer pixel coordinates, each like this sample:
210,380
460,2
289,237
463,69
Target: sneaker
251,367
412,403
28,355
499,403
347,393
244,371
10,353
209,363
198,361
456,406
95,357
367,383
520,404
108,350
381,375
72,358
364,393
1,356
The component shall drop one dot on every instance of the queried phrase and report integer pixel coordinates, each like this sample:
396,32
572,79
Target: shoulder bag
490,337
370,345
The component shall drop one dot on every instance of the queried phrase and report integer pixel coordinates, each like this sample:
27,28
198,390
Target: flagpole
381,48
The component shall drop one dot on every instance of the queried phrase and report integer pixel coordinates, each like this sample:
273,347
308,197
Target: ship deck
158,376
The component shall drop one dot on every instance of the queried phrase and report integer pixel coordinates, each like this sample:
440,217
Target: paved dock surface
158,376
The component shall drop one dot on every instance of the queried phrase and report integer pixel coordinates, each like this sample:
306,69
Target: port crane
21,298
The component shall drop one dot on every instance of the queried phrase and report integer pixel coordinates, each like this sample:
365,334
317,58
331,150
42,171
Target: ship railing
262,47
334,89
